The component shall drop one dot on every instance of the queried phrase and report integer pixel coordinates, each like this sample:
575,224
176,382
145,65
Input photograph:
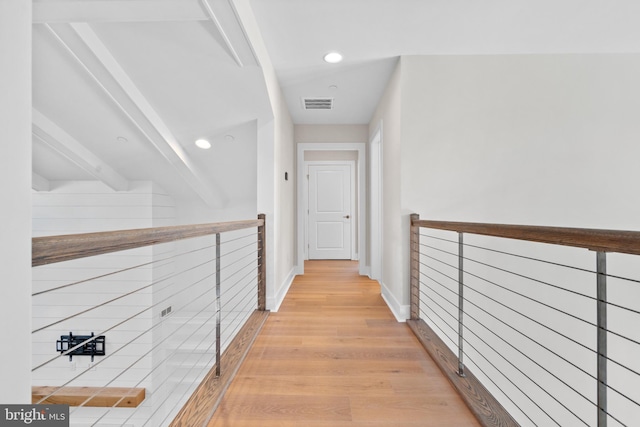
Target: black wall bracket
94,347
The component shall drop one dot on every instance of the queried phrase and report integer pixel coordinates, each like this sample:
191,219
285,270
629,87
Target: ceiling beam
223,14
63,143
67,11
85,46
39,183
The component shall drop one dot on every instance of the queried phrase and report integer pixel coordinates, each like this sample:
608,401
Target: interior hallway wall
532,139
276,151
331,133
389,115
522,139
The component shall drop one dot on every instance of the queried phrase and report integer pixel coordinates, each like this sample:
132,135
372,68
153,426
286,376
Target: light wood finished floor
334,355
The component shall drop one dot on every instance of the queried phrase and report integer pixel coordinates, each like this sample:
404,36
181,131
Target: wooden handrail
627,242
52,249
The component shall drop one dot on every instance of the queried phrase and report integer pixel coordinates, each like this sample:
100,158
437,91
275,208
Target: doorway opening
332,153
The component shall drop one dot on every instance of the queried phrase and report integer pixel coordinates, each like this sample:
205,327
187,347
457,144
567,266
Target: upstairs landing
334,355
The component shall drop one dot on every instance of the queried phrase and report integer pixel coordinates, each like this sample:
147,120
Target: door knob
347,216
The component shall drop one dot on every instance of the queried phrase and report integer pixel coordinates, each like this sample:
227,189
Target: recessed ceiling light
333,87
203,143
229,138
122,139
333,57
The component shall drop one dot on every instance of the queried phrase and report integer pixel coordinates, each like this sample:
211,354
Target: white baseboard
274,303
401,312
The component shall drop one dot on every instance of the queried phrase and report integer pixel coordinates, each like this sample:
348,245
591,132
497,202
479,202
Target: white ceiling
162,73
372,33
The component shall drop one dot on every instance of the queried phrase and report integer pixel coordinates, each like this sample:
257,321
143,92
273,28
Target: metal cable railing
549,328
138,330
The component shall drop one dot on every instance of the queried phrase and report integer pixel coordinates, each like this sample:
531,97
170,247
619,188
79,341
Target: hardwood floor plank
285,407
315,386
335,356
435,411
341,368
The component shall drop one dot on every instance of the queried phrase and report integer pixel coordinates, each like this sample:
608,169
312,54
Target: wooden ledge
122,397
484,406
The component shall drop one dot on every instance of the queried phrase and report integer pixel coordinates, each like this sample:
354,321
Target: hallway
334,355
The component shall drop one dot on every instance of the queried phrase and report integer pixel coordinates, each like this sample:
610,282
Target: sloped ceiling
122,89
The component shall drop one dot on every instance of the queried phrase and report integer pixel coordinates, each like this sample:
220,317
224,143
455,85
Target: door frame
352,170
360,147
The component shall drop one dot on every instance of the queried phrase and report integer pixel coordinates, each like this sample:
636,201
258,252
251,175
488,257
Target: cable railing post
218,306
601,260
262,264
460,305
415,269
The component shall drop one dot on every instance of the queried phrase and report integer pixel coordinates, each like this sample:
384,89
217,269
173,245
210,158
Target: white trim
47,131
274,303
401,312
354,195
360,147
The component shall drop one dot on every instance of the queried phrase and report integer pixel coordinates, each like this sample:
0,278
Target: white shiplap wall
88,206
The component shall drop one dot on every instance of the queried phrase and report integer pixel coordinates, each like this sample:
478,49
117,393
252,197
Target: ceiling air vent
318,103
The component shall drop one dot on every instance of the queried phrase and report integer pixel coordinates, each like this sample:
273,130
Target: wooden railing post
415,268
262,264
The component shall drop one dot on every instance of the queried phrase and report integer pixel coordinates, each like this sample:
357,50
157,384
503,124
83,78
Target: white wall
15,187
281,225
275,157
330,133
537,139
389,113
533,139
330,155
285,201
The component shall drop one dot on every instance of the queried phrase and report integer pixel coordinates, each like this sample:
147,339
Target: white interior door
330,216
